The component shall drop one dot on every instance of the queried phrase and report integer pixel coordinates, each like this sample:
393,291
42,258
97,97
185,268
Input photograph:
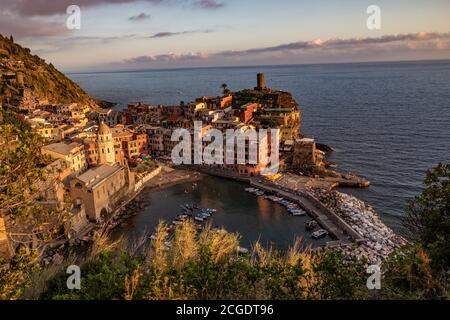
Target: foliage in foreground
208,267
428,217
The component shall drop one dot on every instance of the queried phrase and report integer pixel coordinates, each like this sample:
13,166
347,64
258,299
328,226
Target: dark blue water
388,122
253,218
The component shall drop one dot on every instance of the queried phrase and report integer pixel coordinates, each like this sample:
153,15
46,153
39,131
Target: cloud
209,4
139,17
166,34
62,43
332,49
30,8
37,18
51,7
341,43
9,24
168,58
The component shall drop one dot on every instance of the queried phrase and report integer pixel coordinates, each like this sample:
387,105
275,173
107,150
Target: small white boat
319,233
298,212
199,219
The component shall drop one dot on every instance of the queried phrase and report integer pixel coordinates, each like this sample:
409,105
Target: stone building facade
305,154
99,189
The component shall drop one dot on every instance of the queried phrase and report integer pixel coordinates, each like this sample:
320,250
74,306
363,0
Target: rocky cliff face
26,79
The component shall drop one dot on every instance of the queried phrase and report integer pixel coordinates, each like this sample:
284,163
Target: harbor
255,218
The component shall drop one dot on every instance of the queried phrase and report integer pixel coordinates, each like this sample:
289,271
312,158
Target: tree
22,175
226,91
15,275
428,217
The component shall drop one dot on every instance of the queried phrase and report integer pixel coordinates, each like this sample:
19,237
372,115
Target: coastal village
102,158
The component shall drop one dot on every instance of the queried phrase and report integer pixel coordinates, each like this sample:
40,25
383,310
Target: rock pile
380,239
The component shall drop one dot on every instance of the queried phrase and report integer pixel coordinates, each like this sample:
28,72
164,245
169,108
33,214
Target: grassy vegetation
207,266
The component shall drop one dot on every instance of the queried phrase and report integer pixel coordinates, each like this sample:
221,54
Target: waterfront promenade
337,227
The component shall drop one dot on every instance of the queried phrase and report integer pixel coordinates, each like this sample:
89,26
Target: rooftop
95,176
62,148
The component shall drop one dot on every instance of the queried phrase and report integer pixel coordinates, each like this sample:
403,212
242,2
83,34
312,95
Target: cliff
26,79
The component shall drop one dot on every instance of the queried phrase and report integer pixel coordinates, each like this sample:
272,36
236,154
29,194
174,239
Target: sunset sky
128,34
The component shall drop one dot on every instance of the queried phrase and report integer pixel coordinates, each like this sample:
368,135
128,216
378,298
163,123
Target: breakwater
378,239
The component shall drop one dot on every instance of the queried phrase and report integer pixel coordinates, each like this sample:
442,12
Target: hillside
26,79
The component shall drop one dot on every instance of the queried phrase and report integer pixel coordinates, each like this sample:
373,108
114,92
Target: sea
388,122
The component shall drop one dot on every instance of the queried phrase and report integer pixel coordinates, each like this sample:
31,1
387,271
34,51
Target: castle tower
105,145
261,81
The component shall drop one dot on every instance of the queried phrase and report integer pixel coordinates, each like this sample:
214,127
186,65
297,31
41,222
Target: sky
146,34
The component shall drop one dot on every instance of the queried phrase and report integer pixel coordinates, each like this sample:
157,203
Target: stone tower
261,83
105,145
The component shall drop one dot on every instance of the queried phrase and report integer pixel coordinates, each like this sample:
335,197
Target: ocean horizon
69,72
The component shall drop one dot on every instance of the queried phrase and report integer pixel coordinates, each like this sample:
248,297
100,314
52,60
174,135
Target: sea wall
379,239
141,182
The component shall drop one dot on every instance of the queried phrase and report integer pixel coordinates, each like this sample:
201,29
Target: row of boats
293,209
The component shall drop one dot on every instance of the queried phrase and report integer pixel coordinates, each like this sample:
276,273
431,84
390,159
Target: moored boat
319,233
298,212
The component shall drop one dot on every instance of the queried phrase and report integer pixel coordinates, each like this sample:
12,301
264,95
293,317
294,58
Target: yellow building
71,152
53,132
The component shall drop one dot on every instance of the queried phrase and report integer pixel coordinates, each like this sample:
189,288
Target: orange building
137,146
225,101
246,112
